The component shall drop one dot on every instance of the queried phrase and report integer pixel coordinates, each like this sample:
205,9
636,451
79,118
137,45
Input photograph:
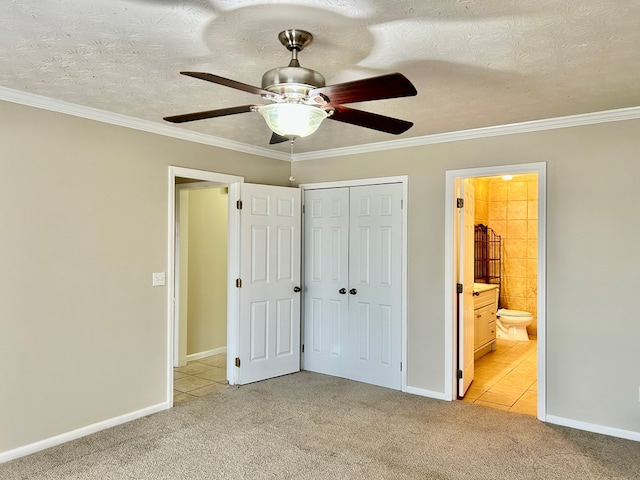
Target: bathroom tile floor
506,378
199,377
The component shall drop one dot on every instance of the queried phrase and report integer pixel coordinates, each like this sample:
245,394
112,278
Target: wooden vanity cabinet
485,310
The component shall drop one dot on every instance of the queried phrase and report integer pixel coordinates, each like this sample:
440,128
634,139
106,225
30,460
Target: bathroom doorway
507,374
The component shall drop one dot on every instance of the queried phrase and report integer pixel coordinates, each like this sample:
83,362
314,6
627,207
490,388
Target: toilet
512,324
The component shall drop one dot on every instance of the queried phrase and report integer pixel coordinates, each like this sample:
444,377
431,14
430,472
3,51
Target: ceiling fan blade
370,120
275,138
393,85
221,112
227,82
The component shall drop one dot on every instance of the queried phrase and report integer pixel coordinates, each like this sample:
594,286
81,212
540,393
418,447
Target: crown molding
47,103
630,113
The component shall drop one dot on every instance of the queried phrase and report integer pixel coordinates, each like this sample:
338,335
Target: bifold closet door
375,288
353,261
326,256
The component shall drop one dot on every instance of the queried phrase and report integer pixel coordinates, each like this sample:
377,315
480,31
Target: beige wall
83,224
207,288
592,227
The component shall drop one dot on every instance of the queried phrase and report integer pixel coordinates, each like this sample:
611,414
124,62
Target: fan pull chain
291,177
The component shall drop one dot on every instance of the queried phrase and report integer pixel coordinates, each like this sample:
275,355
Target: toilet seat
505,312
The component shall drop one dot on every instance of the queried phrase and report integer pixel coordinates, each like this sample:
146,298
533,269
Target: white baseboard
80,432
591,427
427,393
208,353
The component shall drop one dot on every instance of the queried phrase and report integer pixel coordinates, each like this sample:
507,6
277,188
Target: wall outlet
158,279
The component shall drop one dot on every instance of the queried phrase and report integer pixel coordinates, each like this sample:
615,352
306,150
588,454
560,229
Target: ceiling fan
298,99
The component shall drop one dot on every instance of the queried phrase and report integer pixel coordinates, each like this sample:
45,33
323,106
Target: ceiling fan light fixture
299,100
292,120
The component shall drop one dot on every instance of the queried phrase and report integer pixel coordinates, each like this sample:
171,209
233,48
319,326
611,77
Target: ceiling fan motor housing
292,80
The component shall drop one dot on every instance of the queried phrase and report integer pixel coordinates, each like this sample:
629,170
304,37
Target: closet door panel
375,258
326,273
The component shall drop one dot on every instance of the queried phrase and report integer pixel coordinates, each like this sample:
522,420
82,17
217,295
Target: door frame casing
451,327
404,180
233,182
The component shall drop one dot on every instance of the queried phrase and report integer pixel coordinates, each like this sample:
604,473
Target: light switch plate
158,279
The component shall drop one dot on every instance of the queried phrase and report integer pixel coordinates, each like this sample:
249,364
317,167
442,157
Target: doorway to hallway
201,258
210,336
263,252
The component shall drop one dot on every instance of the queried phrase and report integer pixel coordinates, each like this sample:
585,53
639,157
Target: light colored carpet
311,426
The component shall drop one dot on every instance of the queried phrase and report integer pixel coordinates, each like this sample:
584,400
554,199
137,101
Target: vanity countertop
483,287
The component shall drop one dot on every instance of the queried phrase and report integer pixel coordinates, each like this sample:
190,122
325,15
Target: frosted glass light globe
292,120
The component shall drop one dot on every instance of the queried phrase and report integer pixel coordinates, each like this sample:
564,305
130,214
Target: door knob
353,291
296,289
342,291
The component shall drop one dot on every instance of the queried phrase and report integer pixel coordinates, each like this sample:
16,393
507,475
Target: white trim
404,180
80,432
450,360
542,293
355,183
592,427
206,353
221,179
405,245
212,178
427,393
233,295
46,103
630,113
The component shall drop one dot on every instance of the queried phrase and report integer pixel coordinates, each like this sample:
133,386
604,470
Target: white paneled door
465,278
326,257
269,296
375,270
353,281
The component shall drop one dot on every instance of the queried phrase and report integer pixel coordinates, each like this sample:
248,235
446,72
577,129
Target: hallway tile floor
507,378
199,377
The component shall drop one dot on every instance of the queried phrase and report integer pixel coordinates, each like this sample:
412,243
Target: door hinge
303,348
459,288
303,211
400,366
401,204
459,202
459,374
239,204
238,362
238,283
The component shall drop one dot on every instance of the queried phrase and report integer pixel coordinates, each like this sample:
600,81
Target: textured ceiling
475,63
